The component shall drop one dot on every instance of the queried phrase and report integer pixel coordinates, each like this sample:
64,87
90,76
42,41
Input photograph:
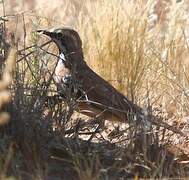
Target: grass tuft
140,47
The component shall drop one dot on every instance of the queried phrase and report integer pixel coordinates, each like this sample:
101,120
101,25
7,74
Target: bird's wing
104,94
101,92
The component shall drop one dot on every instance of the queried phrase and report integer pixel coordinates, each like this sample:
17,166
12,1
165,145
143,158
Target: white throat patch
59,67
62,57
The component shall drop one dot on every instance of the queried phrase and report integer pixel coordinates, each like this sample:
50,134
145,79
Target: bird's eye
59,35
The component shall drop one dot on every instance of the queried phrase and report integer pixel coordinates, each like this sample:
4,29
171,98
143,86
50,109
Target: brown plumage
95,96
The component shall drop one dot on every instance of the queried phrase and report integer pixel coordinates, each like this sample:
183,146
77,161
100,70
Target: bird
95,96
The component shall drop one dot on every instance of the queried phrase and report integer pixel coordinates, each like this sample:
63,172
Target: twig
4,13
26,55
32,46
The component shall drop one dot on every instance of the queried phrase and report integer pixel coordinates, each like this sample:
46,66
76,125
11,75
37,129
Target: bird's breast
61,71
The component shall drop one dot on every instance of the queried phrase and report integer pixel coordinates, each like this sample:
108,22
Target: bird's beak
46,32
50,33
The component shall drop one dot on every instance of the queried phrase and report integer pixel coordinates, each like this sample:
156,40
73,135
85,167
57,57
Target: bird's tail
132,112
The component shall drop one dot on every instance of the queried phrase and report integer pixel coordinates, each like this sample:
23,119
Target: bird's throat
62,58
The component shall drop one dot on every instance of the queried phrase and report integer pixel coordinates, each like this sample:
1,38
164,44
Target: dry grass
7,78
140,47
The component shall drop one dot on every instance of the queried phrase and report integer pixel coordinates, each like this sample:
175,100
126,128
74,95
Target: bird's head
67,40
